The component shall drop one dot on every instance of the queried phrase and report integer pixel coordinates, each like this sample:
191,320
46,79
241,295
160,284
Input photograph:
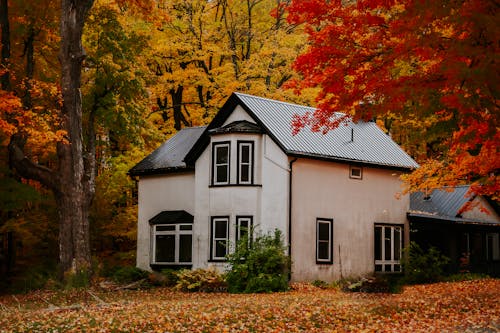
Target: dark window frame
239,144
214,162
329,260
213,241
177,232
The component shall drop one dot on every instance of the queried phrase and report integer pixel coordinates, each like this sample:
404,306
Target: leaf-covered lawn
470,306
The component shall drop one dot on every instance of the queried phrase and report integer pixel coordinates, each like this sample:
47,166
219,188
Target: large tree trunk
72,200
72,183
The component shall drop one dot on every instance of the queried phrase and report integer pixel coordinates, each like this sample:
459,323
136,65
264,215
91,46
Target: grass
465,306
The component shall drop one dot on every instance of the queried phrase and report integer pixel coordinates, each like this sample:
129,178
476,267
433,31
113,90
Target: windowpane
220,249
222,154
387,240
220,229
185,248
323,250
221,176
378,243
397,243
165,248
186,227
245,154
245,173
165,228
323,231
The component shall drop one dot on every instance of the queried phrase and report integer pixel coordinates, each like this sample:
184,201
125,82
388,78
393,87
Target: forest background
154,67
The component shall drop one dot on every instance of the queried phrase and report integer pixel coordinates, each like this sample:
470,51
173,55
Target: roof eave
160,171
349,161
422,217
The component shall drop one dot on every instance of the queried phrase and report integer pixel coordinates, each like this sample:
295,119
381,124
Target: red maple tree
425,61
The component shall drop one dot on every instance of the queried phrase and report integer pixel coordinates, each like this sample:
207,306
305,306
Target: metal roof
446,204
360,142
170,155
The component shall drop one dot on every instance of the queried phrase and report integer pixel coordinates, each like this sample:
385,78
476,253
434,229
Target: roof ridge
274,100
291,104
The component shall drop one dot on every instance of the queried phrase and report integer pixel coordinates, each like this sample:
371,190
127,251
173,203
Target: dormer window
245,162
220,167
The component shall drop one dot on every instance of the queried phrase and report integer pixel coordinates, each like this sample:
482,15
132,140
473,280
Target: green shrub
320,284
166,278
128,274
204,280
421,266
260,265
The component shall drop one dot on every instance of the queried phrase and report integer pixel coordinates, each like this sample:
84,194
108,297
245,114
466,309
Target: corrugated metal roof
170,155
446,202
370,144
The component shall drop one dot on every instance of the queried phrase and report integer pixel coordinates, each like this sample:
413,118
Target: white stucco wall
158,193
324,190
266,201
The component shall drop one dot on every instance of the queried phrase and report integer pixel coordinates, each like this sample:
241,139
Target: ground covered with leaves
469,306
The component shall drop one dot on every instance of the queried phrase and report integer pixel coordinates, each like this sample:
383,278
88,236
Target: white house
334,195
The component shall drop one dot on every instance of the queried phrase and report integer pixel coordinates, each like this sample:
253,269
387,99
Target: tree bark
72,199
5,52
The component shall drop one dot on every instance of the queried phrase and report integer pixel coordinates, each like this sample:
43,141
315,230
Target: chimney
352,134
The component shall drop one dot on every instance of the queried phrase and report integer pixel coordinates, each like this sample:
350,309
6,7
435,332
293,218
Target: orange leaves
460,306
412,61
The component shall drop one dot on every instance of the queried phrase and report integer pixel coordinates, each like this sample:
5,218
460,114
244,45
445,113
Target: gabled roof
169,157
446,204
361,142
239,126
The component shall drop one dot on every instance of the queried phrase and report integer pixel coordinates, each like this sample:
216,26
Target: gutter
290,208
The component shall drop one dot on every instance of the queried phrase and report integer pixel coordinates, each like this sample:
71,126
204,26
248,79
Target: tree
431,64
72,180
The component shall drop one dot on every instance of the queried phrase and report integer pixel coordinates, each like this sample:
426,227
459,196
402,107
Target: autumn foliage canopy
431,65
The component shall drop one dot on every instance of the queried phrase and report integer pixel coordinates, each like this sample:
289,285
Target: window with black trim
219,244
220,163
244,225
388,247
324,241
245,162
172,244
355,172
492,246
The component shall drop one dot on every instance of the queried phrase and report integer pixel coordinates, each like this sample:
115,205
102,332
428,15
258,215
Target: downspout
290,213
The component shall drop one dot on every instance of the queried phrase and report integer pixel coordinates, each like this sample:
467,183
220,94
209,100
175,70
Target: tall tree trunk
29,53
72,184
5,52
72,200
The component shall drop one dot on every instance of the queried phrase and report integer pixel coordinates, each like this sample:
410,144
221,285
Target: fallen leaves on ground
468,306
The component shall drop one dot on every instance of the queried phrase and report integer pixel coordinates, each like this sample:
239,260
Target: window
244,226
355,172
324,241
220,159
219,238
388,245
172,243
492,246
245,162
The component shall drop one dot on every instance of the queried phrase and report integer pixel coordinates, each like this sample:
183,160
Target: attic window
355,172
